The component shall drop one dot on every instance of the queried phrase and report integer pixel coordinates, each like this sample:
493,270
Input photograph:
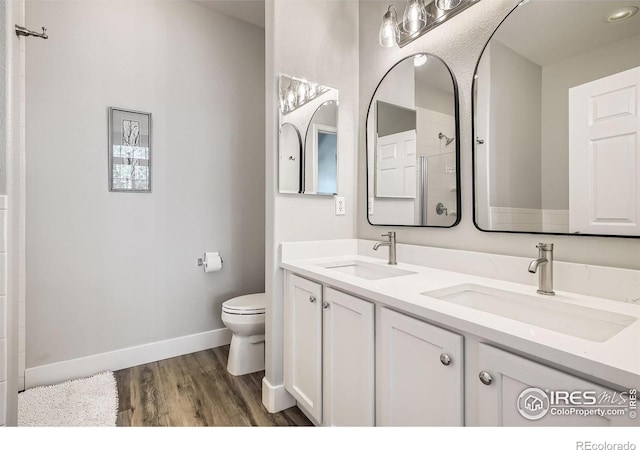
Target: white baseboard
275,398
126,357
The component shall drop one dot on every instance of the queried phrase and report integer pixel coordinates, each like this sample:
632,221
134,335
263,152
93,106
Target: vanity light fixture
448,5
419,60
621,14
414,17
419,17
298,92
389,31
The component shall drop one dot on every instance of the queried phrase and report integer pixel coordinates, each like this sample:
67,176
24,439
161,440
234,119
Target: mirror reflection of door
412,146
396,161
604,155
321,151
557,120
326,142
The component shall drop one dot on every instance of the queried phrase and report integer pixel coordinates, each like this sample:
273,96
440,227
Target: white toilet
244,316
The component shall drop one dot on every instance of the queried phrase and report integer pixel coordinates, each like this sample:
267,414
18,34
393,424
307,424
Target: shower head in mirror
448,139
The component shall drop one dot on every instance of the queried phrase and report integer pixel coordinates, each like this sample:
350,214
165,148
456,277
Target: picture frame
129,150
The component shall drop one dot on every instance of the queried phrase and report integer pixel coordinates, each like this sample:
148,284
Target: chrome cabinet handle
445,359
325,305
312,299
485,378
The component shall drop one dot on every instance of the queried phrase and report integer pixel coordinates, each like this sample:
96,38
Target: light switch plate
341,206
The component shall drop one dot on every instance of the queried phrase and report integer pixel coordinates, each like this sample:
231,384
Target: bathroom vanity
369,344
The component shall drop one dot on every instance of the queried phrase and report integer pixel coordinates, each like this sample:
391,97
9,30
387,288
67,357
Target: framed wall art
129,151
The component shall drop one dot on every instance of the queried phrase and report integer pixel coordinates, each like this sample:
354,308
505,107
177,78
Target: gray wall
106,270
392,119
514,150
317,40
556,81
460,42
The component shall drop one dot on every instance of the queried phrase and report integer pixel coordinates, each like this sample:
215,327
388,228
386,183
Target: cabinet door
414,386
510,375
303,344
349,369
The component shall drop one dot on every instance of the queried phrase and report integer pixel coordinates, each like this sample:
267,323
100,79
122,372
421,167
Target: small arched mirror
321,151
290,164
413,146
557,120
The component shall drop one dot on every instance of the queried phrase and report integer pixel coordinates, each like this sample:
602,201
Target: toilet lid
246,304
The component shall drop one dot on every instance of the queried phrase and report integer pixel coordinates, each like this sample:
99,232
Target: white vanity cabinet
505,376
303,348
420,373
349,360
329,353
354,362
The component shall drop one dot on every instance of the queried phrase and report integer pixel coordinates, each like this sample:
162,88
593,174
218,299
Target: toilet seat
251,304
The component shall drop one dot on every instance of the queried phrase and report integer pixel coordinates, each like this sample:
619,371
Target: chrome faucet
545,274
391,243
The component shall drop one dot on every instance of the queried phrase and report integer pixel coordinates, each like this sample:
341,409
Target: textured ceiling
547,31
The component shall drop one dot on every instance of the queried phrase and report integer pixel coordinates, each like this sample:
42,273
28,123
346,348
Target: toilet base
246,355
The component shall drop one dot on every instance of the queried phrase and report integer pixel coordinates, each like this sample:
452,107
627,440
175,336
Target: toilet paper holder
201,260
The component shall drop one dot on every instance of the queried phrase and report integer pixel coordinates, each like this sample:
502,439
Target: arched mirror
290,150
413,146
556,121
321,151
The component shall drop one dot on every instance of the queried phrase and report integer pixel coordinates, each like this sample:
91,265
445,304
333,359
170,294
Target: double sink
553,314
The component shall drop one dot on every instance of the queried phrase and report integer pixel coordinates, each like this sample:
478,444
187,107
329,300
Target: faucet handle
389,234
544,246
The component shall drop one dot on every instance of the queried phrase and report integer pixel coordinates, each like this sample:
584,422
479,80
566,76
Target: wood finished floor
196,390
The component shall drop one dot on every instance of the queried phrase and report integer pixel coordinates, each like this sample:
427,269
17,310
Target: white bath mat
87,402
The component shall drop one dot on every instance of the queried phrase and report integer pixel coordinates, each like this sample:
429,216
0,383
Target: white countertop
616,360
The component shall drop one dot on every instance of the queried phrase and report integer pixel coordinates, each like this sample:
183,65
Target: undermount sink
368,271
579,321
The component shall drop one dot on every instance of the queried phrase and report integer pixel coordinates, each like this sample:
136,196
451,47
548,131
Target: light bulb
447,5
621,14
302,93
415,16
389,32
419,60
290,98
313,90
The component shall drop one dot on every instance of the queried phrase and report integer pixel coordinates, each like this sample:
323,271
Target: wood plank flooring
196,390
